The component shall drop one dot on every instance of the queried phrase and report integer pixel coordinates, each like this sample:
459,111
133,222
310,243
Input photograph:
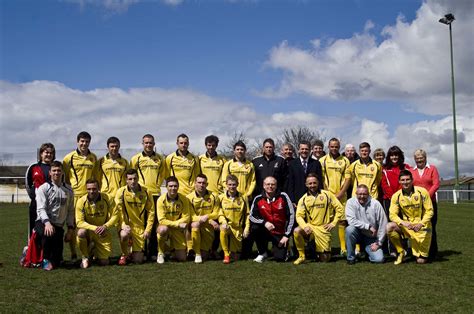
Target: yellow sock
196,240
299,243
83,247
357,248
396,240
161,243
342,237
224,243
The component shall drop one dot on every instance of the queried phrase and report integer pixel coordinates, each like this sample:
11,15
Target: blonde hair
420,152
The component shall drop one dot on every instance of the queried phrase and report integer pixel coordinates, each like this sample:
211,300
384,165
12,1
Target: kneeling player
317,214
234,211
205,212
173,211
95,215
137,213
416,209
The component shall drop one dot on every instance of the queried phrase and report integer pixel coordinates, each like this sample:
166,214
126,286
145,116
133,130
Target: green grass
446,285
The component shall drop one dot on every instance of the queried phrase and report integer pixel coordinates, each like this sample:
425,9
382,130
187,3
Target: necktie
304,165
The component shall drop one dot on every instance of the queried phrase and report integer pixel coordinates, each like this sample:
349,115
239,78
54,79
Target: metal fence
455,196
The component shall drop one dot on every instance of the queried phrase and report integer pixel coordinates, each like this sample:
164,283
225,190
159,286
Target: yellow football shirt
319,209
414,208
212,167
135,209
173,212
185,169
78,169
151,171
111,174
91,215
204,205
369,174
245,173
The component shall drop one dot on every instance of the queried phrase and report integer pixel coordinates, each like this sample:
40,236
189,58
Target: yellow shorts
176,237
138,242
234,238
207,236
102,244
420,241
321,237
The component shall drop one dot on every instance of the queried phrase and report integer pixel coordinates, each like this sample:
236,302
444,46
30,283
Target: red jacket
278,210
389,182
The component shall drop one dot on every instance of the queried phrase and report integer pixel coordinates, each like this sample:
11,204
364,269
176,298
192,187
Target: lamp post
448,19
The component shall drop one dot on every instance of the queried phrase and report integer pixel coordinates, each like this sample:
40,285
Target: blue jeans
353,236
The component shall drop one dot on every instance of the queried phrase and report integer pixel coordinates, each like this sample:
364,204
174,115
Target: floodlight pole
448,19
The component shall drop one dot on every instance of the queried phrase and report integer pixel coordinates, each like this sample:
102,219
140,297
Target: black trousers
53,245
434,241
262,236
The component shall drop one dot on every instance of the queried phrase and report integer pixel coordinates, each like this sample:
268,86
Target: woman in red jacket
426,175
394,163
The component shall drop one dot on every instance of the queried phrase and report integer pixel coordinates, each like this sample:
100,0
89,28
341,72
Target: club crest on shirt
238,202
178,206
321,198
416,198
371,168
339,163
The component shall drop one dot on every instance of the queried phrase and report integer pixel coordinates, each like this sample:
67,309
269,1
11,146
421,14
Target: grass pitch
245,286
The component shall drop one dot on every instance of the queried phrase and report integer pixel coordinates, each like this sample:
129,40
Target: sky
360,70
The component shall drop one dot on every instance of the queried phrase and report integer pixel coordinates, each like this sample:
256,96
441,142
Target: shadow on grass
443,255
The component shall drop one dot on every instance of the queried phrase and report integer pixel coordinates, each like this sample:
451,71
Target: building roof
462,181
13,171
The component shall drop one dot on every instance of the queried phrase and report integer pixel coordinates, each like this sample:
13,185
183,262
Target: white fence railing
455,195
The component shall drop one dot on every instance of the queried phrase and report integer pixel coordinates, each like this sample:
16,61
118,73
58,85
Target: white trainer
260,258
198,259
160,259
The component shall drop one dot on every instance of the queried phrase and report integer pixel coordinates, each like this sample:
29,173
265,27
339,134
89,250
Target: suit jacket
296,183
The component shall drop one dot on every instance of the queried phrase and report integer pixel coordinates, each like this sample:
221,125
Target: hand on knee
162,230
82,233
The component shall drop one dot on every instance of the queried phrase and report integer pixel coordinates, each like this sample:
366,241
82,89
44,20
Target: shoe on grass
198,259
85,263
400,257
122,260
226,259
299,260
261,257
161,258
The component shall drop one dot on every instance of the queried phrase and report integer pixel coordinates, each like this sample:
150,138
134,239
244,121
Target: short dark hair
304,142
172,179
404,173
363,145
44,147
113,139
202,176
83,135
57,164
318,142
148,135
269,140
334,139
92,181
211,139
182,135
312,175
241,144
131,172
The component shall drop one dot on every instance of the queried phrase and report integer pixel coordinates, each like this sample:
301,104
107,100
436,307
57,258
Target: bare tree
252,147
298,134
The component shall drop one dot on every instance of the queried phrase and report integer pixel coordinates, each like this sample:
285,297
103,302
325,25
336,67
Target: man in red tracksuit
272,218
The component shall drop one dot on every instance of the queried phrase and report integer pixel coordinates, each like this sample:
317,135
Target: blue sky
269,57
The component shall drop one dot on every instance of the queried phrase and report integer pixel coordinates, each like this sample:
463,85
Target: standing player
151,170
204,212
111,169
212,164
36,175
173,218
366,171
336,180
55,207
137,214
183,165
233,219
318,150
79,166
242,169
269,164
318,212
411,211
95,215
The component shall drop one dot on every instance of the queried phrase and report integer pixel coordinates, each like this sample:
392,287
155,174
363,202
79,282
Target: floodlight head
447,19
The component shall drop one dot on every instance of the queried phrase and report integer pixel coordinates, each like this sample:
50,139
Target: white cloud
45,111
119,6
410,64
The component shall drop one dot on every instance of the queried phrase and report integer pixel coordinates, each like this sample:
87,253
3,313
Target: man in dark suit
298,169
